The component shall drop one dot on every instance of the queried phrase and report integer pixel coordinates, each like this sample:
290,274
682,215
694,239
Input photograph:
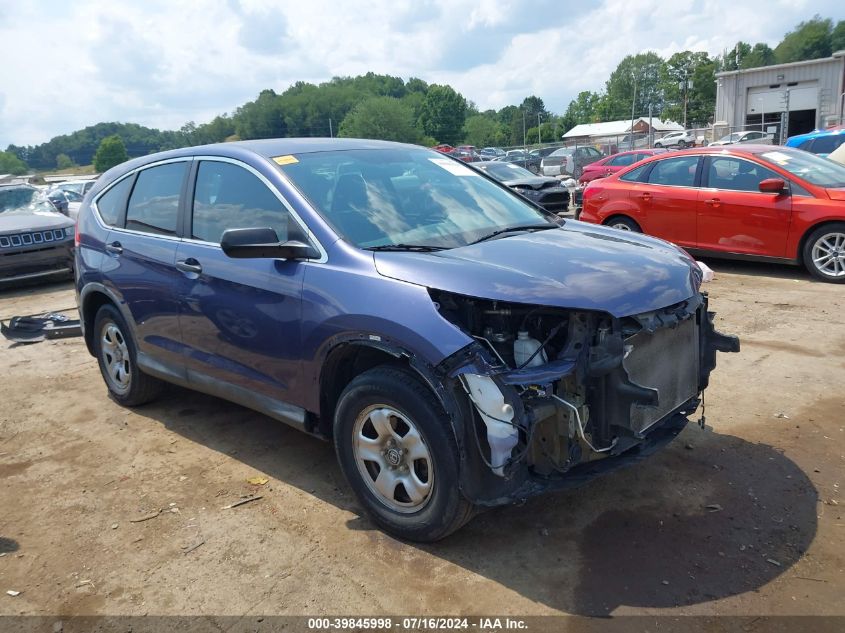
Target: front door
734,216
240,318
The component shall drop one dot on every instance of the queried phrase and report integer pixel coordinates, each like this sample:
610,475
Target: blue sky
162,63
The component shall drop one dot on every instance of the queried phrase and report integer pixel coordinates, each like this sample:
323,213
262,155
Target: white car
680,139
751,136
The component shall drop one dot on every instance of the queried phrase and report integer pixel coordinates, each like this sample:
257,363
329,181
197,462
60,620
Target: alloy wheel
829,254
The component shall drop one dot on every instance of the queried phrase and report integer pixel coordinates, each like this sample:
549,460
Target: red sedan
614,163
749,202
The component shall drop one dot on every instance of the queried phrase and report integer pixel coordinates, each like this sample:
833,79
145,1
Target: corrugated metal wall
732,88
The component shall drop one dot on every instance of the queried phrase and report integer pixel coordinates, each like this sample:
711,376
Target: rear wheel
682,144
623,224
824,253
398,453
117,356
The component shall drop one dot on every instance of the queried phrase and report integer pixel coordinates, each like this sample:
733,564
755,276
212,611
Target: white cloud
160,63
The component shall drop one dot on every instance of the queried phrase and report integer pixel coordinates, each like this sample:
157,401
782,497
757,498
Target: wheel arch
809,231
619,215
348,359
91,299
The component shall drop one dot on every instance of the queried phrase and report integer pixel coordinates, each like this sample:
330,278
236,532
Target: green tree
111,152
443,114
262,118
688,87
483,130
384,118
635,82
809,40
759,55
11,164
837,37
63,161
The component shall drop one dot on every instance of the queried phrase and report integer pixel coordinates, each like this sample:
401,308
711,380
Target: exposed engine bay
554,388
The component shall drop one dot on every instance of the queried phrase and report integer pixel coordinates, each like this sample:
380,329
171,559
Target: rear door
734,216
139,261
668,199
240,318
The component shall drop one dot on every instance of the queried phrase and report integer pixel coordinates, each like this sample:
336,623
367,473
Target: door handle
189,265
114,248
715,202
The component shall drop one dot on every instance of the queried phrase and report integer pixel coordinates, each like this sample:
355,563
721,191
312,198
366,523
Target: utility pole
331,133
539,134
633,104
524,139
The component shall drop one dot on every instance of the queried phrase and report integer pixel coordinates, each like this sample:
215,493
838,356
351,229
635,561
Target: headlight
68,231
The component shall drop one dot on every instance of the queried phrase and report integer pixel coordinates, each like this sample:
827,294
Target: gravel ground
745,518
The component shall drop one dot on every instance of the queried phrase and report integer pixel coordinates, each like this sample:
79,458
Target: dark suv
460,345
36,242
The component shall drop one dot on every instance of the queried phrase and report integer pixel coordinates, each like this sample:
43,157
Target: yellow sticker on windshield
286,160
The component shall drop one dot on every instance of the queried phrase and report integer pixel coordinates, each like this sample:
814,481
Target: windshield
507,171
814,169
731,137
24,200
562,152
405,196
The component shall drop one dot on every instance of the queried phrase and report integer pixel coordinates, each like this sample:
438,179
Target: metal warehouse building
801,96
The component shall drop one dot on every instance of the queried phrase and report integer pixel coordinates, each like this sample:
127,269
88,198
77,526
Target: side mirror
772,185
263,244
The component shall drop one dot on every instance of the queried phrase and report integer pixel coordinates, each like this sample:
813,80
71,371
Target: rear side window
636,175
677,172
230,197
621,161
112,203
154,203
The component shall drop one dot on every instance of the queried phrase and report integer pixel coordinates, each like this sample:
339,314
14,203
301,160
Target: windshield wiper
419,248
513,229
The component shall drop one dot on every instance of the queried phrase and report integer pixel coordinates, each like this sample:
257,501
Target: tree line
681,88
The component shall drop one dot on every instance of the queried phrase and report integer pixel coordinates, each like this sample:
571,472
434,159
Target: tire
380,413
824,253
682,144
117,356
623,224
659,145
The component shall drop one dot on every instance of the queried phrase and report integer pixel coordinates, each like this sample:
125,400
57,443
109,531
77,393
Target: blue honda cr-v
462,347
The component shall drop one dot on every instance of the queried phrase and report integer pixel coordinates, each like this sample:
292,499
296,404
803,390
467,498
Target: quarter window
678,172
737,174
112,203
154,203
229,197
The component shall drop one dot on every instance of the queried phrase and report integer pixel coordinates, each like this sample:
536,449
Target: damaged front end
558,396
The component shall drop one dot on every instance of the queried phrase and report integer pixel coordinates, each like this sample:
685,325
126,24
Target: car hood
579,266
537,182
25,220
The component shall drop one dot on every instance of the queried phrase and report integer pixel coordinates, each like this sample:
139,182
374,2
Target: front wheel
398,452
824,253
623,224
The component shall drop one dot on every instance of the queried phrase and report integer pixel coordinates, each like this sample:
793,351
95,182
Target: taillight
76,234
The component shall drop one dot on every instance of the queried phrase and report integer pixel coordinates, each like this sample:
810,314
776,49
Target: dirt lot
76,469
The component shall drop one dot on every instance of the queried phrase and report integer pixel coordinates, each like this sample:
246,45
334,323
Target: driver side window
227,196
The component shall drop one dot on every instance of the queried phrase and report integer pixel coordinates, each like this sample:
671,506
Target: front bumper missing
635,394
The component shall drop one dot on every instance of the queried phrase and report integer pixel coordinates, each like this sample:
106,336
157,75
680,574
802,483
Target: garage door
803,96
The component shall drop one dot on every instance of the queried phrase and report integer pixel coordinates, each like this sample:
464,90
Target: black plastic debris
36,328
